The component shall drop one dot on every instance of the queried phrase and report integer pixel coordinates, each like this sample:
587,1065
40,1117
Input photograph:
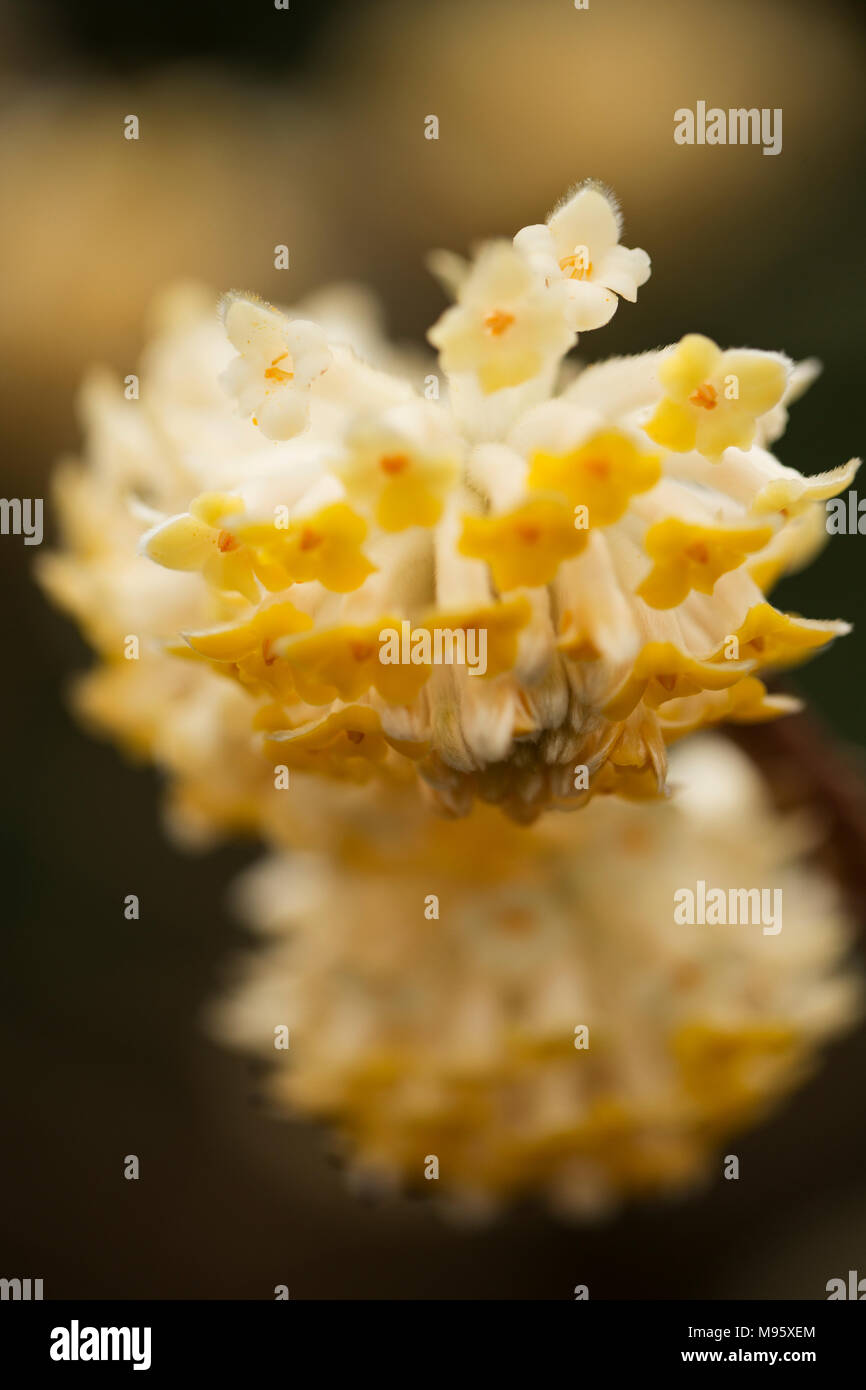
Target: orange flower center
528,531
309,539
275,373
226,541
697,552
393,464
497,321
706,396
577,266
361,651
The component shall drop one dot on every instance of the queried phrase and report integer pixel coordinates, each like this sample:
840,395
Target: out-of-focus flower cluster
285,488
456,1037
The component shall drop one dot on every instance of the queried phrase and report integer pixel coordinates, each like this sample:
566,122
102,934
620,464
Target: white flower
279,359
400,464
504,327
578,247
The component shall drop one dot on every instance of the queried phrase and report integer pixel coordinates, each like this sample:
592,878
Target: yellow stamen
275,373
576,267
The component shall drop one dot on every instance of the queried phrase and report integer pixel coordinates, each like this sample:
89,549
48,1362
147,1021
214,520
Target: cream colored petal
181,543
618,387
761,377
588,218
284,414
254,328
623,270
449,269
588,305
537,245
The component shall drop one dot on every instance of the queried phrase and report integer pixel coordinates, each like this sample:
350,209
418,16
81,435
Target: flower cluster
285,489
294,489
546,1025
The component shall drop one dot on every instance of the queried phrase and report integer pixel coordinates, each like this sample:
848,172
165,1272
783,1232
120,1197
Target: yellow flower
198,540
714,399
792,493
401,466
344,663
779,639
661,673
689,556
283,557
525,546
248,646
502,624
602,474
347,744
324,548
505,326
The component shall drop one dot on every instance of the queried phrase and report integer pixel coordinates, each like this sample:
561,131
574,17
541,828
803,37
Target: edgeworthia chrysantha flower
577,249
555,1029
269,548
276,501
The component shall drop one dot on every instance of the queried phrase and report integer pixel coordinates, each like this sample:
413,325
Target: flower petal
587,218
623,270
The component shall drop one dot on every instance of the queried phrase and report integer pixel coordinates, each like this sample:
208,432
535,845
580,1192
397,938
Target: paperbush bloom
453,1035
293,490
285,492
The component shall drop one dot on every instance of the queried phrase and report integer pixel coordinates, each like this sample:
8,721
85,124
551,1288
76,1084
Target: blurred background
306,127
